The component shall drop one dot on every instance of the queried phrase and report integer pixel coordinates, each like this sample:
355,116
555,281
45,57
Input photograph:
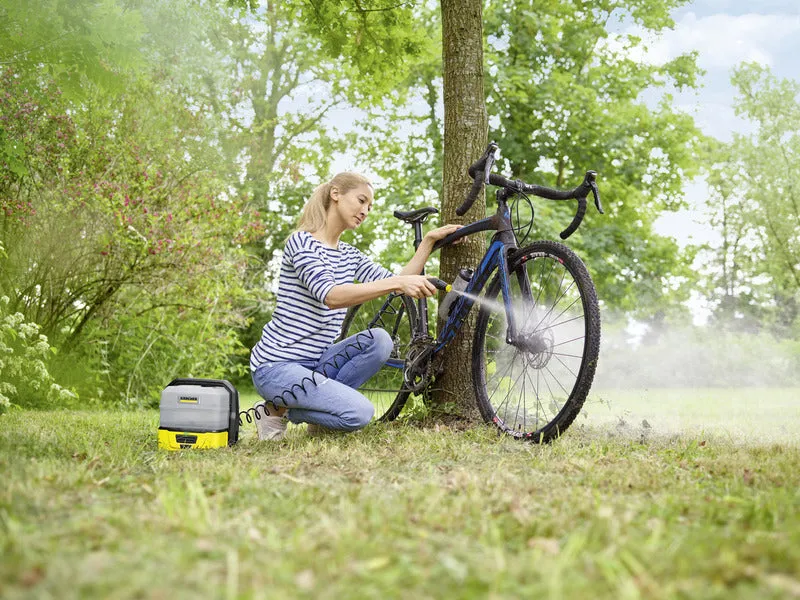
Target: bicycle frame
503,242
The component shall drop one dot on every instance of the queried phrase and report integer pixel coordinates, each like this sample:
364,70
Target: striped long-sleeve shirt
302,326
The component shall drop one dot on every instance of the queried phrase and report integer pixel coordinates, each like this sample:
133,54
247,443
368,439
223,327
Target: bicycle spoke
568,341
557,381
552,306
500,381
551,326
565,310
542,287
569,355
386,389
521,399
571,372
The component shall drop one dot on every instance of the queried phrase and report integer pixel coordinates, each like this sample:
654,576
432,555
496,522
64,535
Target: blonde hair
315,212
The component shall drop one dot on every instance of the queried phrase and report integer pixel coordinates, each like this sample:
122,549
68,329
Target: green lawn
744,415
89,508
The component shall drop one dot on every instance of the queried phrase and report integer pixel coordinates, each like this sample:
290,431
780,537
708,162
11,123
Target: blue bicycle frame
503,243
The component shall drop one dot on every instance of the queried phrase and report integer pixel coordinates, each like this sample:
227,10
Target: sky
725,33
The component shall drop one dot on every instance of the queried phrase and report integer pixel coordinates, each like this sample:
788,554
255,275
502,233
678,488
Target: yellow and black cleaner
198,413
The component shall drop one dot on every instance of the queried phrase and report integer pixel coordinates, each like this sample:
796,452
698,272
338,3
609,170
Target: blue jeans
323,391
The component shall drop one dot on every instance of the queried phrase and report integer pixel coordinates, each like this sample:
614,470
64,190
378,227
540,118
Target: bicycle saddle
412,216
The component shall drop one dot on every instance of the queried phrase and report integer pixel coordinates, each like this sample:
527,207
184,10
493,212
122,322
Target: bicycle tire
541,319
385,389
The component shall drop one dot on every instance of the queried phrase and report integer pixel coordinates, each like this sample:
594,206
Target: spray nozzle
440,285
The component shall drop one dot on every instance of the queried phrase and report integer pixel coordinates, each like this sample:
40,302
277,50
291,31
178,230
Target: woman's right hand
415,286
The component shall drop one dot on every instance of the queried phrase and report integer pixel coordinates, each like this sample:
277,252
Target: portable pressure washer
198,413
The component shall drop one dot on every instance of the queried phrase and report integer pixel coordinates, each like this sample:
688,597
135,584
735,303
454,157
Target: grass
90,509
743,415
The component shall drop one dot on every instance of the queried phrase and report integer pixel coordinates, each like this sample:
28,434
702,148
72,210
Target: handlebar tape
576,222
478,165
477,184
476,171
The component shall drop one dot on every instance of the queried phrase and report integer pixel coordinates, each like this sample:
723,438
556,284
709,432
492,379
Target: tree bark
465,131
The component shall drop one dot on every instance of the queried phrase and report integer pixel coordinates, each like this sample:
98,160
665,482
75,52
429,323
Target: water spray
493,305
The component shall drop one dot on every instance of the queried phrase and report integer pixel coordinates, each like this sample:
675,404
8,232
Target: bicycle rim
394,314
534,389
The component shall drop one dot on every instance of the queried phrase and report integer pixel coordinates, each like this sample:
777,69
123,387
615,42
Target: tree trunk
465,131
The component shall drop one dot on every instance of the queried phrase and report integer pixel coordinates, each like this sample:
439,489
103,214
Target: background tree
756,207
118,231
286,71
54,40
127,218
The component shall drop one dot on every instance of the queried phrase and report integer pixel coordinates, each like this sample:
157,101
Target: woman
315,288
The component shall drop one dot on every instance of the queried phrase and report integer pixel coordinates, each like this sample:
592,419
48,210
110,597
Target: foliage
566,95
24,356
116,213
406,154
756,207
82,46
382,40
272,90
126,218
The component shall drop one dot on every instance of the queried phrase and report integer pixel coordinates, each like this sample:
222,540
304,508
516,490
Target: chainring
418,372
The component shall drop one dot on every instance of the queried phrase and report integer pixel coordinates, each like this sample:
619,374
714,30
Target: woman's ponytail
315,212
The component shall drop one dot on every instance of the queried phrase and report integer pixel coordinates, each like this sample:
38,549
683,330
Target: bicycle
548,326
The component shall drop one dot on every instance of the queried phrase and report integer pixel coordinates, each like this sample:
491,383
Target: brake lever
596,194
591,181
490,160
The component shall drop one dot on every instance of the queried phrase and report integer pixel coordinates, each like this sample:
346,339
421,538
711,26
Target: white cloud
721,40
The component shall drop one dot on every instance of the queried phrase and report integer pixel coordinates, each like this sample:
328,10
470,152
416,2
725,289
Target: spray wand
440,285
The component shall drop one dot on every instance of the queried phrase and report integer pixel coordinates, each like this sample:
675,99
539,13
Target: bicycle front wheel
395,314
534,387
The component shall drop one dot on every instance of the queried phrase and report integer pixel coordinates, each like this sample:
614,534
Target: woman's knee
383,343
358,415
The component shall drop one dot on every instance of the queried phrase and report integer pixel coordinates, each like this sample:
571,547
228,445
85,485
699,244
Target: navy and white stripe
302,327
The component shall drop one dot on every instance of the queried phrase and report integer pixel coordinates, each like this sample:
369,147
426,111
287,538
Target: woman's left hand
441,232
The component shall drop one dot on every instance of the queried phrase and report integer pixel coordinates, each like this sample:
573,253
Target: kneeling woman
315,288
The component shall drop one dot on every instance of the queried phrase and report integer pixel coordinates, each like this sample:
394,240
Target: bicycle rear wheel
395,314
534,389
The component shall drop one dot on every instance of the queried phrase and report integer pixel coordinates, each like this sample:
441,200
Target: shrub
24,353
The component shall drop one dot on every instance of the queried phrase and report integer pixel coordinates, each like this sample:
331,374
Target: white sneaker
268,427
